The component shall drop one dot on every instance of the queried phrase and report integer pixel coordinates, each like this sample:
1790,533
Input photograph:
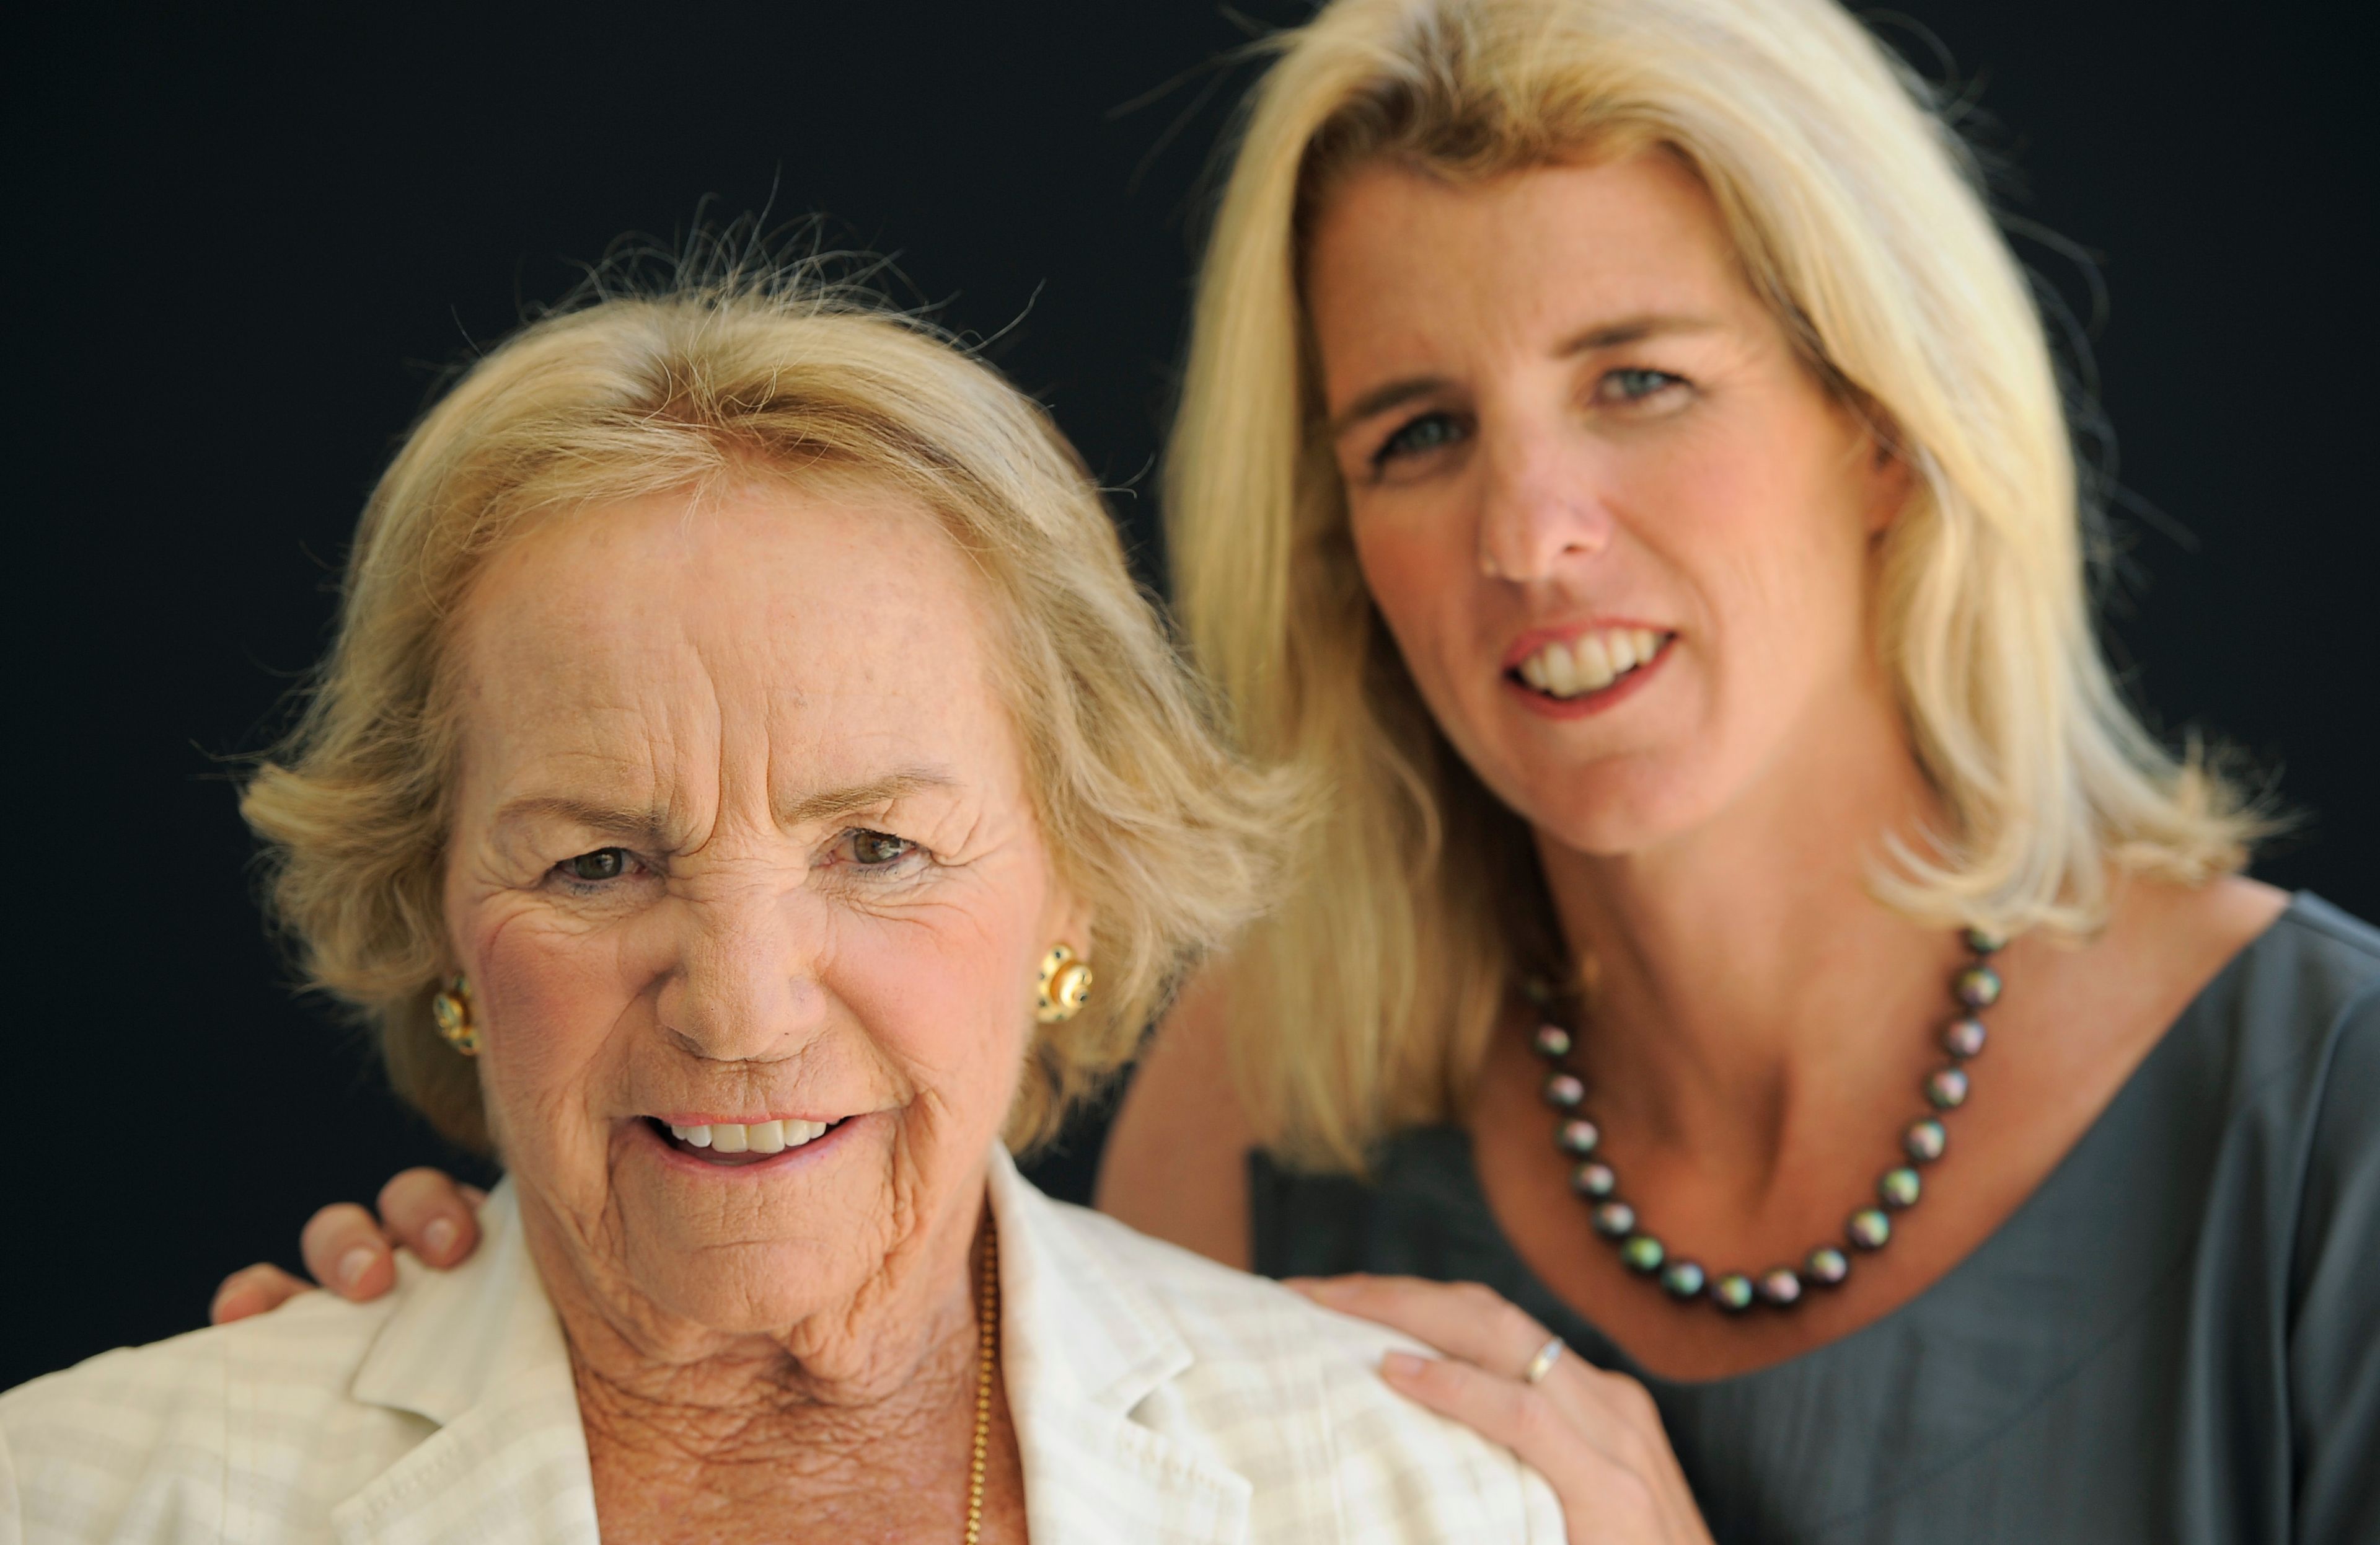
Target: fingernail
440,1237
1399,1365
355,1263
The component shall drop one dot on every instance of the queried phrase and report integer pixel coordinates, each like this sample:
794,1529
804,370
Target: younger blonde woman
1620,460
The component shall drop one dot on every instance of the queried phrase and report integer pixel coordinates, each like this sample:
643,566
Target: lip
817,1150
1588,704
684,1118
1537,638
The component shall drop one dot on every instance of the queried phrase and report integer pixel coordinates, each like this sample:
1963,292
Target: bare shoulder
2179,936
1176,1164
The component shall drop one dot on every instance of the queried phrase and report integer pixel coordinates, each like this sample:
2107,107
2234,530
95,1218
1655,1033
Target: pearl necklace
1975,988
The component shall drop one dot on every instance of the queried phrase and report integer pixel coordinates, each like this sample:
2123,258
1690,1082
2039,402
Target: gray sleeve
2335,1329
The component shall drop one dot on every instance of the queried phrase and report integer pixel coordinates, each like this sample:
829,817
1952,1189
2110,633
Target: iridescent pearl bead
1963,1037
1948,1089
1683,1279
1577,1136
1596,1181
1615,1220
1898,1187
1982,942
1732,1292
1925,1139
1564,1091
1977,986
1553,1042
1827,1266
1643,1253
1780,1286
1870,1228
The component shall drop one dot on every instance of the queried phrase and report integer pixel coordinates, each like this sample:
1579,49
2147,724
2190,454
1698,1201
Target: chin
1613,809
739,1289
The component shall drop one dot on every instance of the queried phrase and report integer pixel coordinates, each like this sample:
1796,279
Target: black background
244,247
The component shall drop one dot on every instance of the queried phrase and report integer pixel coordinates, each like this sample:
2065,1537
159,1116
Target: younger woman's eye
1429,433
879,850
605,863
1634,384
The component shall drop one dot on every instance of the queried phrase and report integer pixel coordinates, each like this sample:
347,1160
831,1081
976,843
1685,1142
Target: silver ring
1543,1363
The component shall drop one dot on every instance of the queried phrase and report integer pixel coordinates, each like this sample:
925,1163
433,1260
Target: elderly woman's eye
605,863
879,850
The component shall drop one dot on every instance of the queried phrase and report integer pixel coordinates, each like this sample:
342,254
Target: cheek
551,1001
1417,569
946,991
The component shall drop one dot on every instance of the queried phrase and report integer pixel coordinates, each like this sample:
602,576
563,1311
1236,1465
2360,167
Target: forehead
824,627
1399,256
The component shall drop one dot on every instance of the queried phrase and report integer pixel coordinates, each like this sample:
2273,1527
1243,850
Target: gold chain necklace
987,1320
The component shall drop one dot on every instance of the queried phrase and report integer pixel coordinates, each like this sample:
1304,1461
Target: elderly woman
741,744
1750,934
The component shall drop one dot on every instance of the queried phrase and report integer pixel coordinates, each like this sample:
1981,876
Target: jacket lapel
1088,1351
478,1351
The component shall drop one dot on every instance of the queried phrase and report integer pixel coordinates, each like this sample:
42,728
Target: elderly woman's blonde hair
1151,824
1363,1003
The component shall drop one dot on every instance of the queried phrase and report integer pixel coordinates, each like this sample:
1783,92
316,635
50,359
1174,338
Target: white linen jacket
1157,1396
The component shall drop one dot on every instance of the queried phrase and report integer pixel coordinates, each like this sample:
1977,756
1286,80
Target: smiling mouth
731,1144
1592,663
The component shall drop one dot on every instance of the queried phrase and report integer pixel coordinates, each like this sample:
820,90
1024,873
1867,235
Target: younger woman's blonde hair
1363,1003
1152,825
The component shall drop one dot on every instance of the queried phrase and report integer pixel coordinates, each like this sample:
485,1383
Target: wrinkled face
743,857
1621,534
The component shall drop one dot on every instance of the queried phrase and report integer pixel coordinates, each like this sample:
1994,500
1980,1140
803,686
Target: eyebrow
828,803
1608,334
650,827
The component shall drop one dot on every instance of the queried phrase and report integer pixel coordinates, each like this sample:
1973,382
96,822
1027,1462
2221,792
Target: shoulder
1175,1162
2296,998
1292,1394
180,1437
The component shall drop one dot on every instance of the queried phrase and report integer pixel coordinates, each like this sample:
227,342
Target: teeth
1595,670
760,1137
1591,661
1561,675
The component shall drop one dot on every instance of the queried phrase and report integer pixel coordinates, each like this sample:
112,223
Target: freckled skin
699,669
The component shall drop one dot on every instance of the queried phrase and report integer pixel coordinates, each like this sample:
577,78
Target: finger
1462,1319
425,1212
346,1252
253,1289
1601,1498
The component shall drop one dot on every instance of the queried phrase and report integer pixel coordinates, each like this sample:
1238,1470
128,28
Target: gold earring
1066,985
452,1009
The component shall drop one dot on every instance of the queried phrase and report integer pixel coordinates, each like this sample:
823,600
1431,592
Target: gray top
2177,1337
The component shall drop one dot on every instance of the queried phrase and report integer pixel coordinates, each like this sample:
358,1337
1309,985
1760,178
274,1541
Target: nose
1541,508
746,985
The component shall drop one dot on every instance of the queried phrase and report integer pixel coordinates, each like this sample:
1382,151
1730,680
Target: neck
1745,984
859,1414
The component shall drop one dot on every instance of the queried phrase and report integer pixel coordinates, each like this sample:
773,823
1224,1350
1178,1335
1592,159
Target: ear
1886,475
